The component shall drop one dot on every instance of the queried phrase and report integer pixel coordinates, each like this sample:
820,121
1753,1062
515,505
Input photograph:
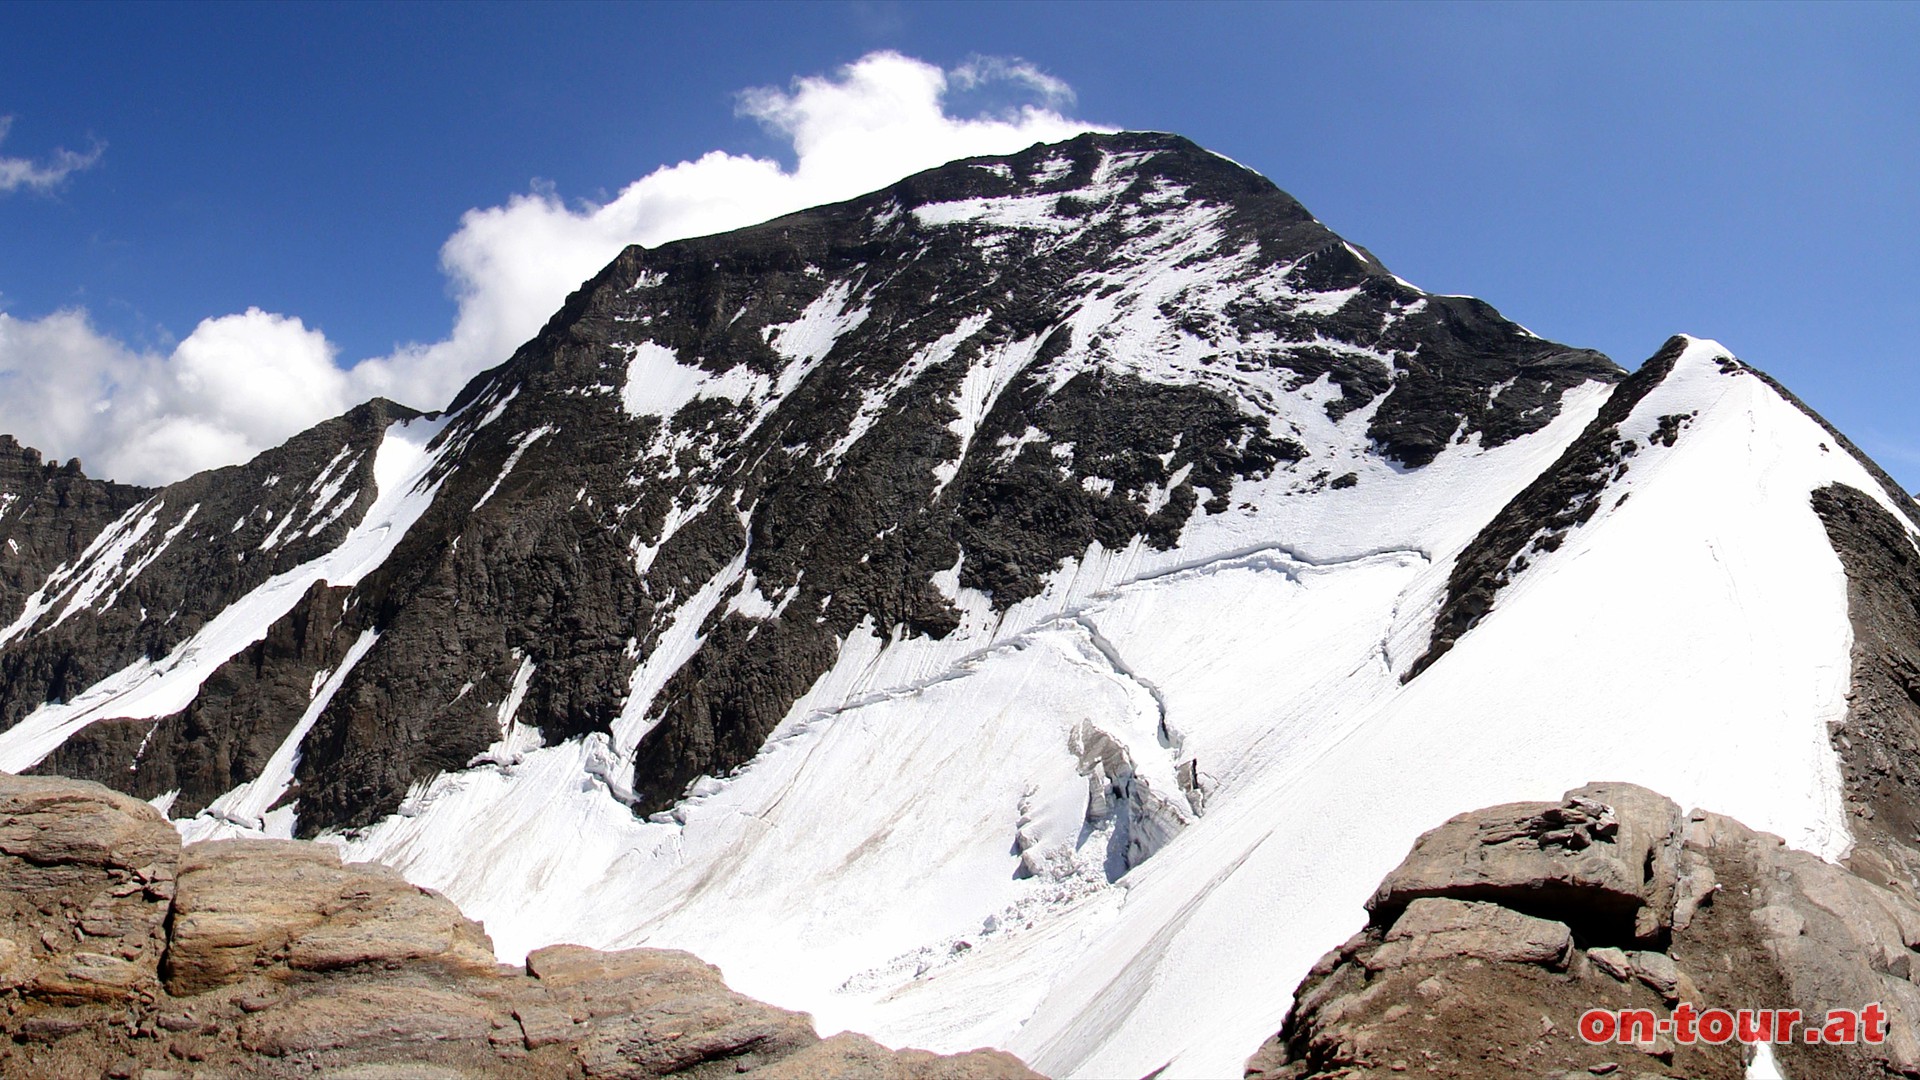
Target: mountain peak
911,410
1087,539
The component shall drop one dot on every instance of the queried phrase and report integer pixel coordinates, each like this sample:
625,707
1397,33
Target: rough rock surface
106,592
1609,850
247,904
1504,925
122,956
1879,745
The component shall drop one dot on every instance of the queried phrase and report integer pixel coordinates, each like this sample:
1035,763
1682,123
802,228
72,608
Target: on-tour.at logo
1687,1025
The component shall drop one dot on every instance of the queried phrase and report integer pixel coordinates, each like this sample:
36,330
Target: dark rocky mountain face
49,512
810,420
243,712
154,574
1880,745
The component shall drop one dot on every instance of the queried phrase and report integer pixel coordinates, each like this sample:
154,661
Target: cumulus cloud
237,385
17,173
241,383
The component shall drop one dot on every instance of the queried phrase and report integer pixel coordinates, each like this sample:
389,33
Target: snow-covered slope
1692,635
152,688
1029,606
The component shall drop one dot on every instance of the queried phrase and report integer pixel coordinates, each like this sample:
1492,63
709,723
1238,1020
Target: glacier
858,867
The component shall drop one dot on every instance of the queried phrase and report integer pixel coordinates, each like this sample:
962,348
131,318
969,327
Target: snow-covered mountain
1031,605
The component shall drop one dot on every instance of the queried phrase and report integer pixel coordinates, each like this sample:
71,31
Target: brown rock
245,906
331,1016
545,1025
1721,916
559,966
59,832
93,977
681,1033
1587,859
409,1071
587,983
1659,972
1614,962
1434,928
73,914
855,1057
15,964
47,1025
1833,938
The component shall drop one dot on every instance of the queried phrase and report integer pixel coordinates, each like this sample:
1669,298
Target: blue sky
1606,175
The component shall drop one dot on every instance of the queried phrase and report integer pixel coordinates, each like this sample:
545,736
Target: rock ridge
123,955
1504,925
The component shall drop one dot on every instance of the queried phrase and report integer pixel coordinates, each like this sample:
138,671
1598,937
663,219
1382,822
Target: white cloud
237,385
242,383
16,173
985,70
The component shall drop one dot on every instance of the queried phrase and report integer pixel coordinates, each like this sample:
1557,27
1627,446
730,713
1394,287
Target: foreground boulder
1504,925
123,956
85,877
244,905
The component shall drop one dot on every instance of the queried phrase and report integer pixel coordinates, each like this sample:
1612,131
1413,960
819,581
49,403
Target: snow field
1662,645
893,795
898,760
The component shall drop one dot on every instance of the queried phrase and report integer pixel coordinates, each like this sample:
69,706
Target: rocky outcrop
85,880
248,904
1562,498
1602,858
123,956
1504,925
1879,745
